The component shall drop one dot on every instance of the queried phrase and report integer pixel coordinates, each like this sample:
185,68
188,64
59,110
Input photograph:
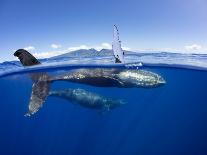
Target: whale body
103,77
87,99
76,96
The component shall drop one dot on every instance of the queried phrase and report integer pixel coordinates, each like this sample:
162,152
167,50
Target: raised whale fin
116,46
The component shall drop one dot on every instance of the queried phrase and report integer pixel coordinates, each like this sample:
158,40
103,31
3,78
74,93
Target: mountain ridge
108,53
89,53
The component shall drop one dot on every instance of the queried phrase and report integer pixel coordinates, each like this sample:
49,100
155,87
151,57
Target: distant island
90,53
109,53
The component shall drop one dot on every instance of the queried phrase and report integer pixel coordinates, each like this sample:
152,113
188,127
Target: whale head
141,78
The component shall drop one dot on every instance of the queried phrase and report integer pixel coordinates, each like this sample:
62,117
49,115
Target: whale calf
87,99
76,96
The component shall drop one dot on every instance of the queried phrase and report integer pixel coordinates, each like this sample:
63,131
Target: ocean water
171,119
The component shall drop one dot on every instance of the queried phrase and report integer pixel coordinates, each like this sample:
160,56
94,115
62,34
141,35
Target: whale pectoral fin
40,91
34,105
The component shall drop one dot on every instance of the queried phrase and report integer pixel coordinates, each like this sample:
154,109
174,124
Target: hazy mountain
89,53
109,53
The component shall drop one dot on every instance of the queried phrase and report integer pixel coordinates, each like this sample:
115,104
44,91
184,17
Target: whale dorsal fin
116,46
26,58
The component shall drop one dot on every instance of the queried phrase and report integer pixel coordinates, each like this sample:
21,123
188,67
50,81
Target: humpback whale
99,77
104,77
87,99
77,96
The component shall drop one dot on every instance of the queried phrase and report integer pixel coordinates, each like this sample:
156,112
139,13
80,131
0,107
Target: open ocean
167,120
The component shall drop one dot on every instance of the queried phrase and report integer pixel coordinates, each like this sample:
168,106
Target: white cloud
126,48
79,47
86,47
157,50
49,54
106,45
194,47
96,47
56,46
30,48
102,46
44,54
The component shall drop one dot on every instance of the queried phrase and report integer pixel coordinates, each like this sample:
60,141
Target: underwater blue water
171,119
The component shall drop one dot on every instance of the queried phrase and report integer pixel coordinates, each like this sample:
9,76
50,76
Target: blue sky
48,27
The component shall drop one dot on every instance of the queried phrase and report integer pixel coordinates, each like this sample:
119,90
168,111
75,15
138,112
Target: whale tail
41,82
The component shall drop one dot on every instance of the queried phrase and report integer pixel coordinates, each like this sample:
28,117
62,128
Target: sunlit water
170,119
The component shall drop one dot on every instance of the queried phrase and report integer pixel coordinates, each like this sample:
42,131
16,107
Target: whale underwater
98,77
87,99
